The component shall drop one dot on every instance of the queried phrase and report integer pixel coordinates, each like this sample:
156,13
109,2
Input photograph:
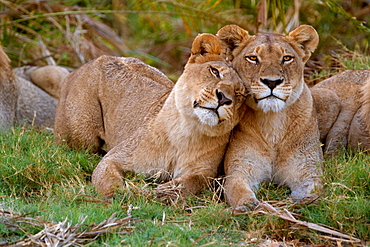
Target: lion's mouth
222,100
267,97
213,114
215,110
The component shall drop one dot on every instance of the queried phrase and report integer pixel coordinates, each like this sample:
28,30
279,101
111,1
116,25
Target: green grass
30,163
44,181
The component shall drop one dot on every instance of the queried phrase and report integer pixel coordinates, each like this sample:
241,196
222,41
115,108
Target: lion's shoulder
346,85
128,68
345,79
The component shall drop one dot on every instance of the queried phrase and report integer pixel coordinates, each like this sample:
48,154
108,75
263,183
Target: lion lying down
125,103
343,108
277,139
48,77
21,100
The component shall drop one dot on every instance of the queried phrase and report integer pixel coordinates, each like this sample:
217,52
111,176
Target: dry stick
289,217
65,234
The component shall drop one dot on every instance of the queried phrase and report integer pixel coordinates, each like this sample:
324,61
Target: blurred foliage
160,32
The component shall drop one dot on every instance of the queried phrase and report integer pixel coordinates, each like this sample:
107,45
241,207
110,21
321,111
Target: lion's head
271,65
210,86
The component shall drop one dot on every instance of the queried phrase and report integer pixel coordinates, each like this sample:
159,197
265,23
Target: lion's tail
365,98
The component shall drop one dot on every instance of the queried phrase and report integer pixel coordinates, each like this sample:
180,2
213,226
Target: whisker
240,94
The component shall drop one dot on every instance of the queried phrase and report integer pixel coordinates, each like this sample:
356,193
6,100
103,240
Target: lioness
106,100
21,100
277,139
186,139
48,77
342,104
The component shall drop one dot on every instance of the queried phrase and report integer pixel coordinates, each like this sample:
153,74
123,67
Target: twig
286,215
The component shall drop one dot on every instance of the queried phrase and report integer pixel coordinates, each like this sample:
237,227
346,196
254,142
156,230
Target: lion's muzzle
208,112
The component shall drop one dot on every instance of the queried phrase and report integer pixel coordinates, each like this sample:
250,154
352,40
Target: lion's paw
170,192
305,194
246,207
308,199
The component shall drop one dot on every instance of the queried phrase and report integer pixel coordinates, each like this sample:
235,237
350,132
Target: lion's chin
207,117
271,104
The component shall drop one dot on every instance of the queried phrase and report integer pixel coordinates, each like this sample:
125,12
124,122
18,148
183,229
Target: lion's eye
252,59
287,59
214,72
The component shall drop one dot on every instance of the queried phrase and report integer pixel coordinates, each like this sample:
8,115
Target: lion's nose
271,83
222,99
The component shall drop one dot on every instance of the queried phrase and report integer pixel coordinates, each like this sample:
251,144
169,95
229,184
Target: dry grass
63,233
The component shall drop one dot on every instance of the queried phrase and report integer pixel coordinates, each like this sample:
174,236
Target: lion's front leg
242,179
107,177
191,176
245,169
301,173
188,184
239,193
338,134
247,163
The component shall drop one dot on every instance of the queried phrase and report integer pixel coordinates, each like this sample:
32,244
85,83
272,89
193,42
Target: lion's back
345,84
139,92
107,99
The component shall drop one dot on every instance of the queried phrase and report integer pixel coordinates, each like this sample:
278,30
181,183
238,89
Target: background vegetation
160,32
42,184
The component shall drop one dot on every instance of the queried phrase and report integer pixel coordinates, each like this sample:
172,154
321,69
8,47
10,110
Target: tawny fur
343,107
9,92
185,140
21,101
277,139
48,77
106,100
365,111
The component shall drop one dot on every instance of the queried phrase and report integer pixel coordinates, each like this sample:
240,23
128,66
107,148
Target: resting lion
185,139
21,100
104,101
278,138
48,77
343,108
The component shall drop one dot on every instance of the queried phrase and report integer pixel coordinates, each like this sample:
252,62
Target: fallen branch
266,208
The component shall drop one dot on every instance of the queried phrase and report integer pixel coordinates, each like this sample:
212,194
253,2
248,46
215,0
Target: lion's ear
205,47
232,36
307,38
